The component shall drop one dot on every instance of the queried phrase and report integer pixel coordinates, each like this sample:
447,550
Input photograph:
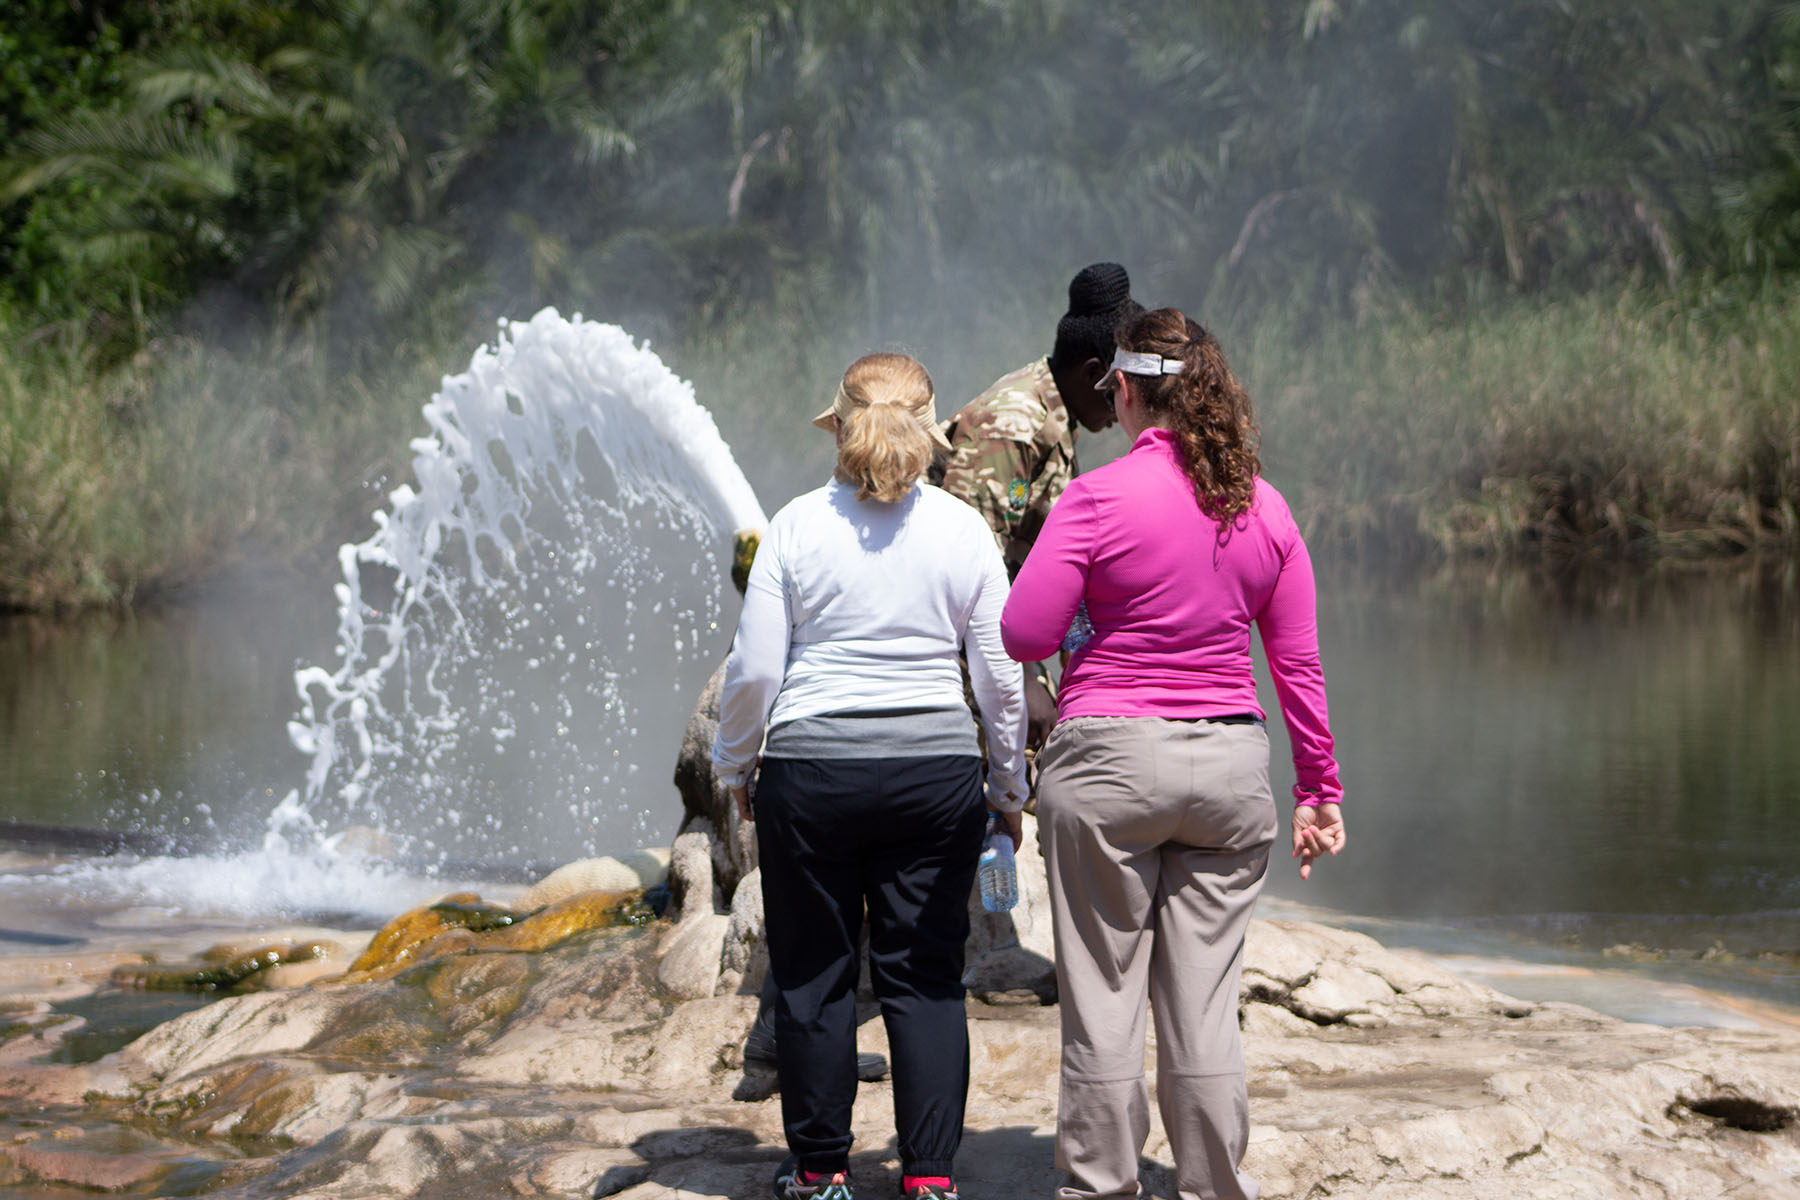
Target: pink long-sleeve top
1171,597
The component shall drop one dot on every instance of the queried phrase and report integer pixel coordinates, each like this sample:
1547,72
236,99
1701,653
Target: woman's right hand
1318,830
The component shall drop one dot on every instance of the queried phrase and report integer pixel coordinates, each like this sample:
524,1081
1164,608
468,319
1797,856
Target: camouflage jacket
1012,452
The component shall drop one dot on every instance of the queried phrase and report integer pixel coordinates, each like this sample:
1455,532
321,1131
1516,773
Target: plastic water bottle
997,873
1080,630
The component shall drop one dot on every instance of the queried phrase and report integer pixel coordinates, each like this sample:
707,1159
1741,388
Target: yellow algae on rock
568,917
462,924
743,554
475,915
394,942
405,931
220,968
436,945
469,992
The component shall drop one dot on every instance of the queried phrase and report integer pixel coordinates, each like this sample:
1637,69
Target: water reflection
1565,745
1587,763
167,724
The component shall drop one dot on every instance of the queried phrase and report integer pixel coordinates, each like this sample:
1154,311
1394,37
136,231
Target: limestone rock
1327,976
287,1098
691,871
1337,992
1257,1020
694,1041
264,1023
745,959
94,1170
570,1072
701,793
629,872
578,1170
467,993
691,954
380,1160
703,797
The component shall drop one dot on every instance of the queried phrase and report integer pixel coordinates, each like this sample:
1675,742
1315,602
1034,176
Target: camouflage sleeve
991,475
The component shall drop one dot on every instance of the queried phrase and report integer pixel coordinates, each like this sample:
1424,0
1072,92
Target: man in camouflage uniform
1012,448
1012,451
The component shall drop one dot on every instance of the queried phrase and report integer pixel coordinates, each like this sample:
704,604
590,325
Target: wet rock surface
705,802
573,1070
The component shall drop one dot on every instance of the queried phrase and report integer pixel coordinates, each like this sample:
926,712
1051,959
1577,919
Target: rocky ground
498,1063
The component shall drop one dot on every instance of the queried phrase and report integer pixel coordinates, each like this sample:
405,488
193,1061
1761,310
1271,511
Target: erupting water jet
526,629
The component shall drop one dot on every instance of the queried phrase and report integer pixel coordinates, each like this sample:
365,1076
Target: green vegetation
1506,275
148,480
1584,425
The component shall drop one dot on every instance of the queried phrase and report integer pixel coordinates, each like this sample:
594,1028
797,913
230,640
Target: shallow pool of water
1592,769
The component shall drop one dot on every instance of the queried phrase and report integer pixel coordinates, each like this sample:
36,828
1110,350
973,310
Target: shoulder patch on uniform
1015,495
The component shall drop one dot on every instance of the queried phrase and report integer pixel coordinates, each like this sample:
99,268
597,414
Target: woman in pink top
1154,803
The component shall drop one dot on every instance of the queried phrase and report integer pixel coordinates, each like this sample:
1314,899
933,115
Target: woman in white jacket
845,683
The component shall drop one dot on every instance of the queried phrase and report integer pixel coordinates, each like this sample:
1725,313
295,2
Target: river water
1553,778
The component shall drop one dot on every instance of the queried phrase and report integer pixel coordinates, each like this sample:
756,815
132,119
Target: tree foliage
375,164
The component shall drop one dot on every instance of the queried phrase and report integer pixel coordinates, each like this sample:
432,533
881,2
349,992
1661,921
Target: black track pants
899,837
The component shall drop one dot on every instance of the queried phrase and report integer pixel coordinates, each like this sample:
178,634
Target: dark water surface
1602,766
1518,744
1572,765
168,726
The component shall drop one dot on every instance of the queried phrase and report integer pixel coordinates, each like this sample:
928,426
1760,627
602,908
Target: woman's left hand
1318,830
742,792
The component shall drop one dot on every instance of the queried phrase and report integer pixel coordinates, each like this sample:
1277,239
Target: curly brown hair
1205,406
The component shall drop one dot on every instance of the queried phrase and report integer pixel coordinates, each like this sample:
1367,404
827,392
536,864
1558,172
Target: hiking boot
759,1047
828,1187
759,1051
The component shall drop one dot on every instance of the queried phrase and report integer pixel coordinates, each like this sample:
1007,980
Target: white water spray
523,635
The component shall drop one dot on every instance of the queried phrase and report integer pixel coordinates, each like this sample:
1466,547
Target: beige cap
925,413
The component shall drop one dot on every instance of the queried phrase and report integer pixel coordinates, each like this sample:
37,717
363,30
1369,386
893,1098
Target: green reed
1585,426
153,480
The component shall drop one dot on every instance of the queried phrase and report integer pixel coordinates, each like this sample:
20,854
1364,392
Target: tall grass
61,531
151,481
1584,427
1589,426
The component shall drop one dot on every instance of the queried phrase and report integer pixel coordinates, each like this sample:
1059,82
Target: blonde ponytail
885,446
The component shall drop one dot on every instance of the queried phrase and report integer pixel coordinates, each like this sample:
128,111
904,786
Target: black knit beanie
1099,301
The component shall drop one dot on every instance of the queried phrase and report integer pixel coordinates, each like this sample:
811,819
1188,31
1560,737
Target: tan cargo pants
1156,836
